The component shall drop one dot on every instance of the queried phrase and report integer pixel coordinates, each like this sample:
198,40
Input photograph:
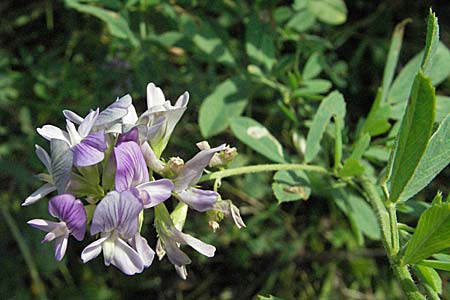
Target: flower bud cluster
102,168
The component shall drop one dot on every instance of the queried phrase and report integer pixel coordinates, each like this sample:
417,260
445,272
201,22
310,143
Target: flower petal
200,200
150,158
193,169
230,210
61,246
117,211
201,247
131,116
115,111
86,126
155,95
131,169
131,135
97,140
85,154
174,254
182,272
183,100
92,250
62,159
158,191
126,258
39,194
43,224
44,157
74,136
73,117
141,246
70,211
49,132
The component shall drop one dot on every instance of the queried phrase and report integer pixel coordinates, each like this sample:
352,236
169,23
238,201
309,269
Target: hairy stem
387,218
262,168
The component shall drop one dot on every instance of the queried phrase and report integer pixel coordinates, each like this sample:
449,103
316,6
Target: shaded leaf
291,186
260,42
332,105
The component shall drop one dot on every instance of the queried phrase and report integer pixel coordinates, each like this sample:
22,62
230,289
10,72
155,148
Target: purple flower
132,174
72,216
116,219
201,200
87,147
158,106
171,237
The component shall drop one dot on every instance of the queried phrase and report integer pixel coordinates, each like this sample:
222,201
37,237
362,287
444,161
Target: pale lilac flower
49,186
72,216
132,174
158,106
170,239
107,118
116,219
187,178
87,147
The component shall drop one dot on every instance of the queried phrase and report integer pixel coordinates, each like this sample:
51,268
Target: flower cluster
103,168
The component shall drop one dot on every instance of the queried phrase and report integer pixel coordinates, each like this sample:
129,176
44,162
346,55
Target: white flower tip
210,251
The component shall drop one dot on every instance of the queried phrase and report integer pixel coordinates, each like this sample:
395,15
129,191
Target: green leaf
431,236
360,212
435,159
117,25
207,40
228,100
431,42
413,137
392,59
440,70
430,277
291,186
312,67
260,297
332,105
332,12
377,120
257,137
260,42
351,167
301,21
436,264
442,108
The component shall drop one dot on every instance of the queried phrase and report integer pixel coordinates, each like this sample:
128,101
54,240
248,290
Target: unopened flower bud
176,164
224,157
203,145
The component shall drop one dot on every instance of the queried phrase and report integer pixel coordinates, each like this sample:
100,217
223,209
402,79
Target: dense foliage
261,77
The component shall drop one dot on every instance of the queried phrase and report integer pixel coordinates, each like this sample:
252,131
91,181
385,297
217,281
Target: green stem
262,168
38,285
389,236
392,209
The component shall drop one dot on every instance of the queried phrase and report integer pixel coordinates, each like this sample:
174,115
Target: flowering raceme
103,173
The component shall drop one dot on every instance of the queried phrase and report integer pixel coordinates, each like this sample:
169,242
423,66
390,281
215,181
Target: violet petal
193,169
39,194
200,200
158,191
131,169
70,211
126,258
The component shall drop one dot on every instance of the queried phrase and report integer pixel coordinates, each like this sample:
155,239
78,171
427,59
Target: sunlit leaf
260,42
431,236
257,137
227,101
291,186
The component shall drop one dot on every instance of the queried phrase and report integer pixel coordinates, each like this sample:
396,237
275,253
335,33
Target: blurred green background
79,55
